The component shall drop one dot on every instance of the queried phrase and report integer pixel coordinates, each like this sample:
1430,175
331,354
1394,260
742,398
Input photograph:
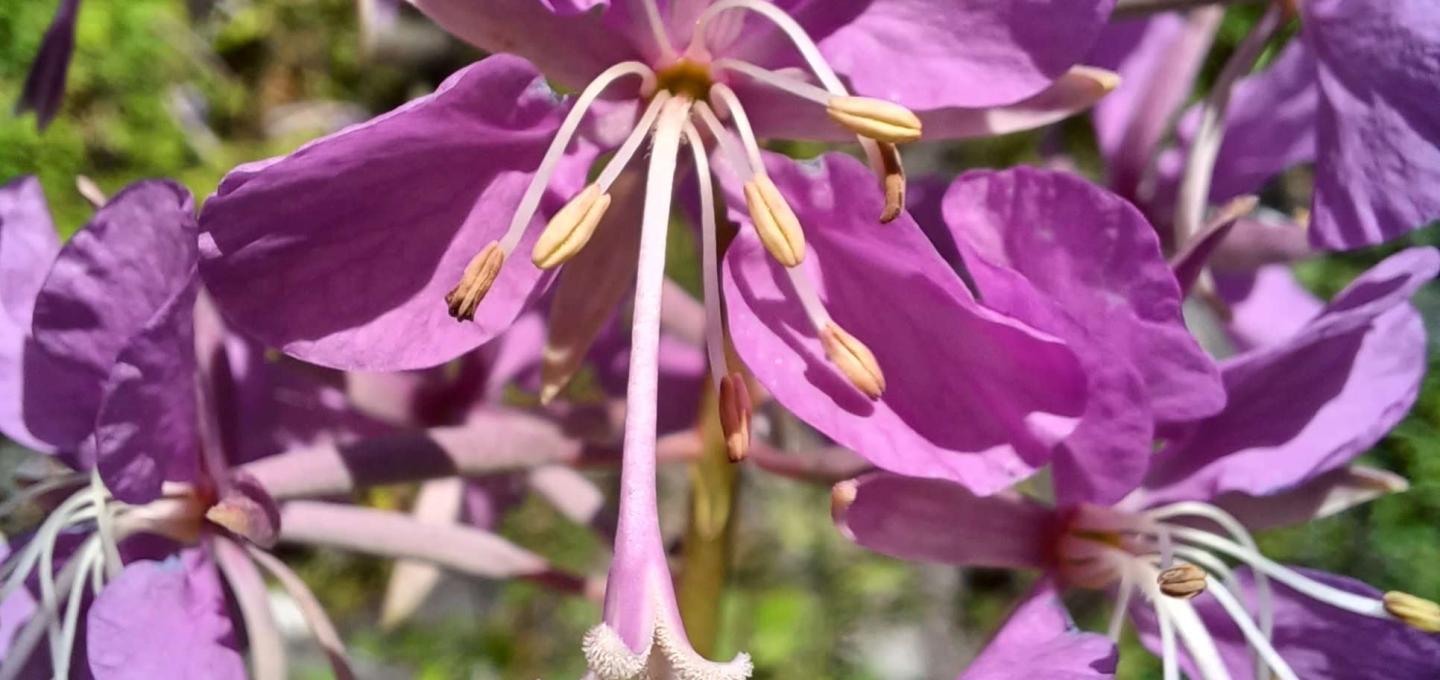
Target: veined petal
1072,259
123,273
1018,390
1039,640
1347,378
28,246
342,253
939,521
930,54
1378,137
164,619
1315,498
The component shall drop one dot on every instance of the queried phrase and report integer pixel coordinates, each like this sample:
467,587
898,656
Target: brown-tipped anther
775,222
479,275
877,119
842,496
893,182
1182,581
853,359
1417,612
571,228
735,412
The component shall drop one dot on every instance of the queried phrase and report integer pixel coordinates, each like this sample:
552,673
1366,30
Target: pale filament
1168,651
808,49
1256,639
793,86
1182,615
729,147
530,200
658,30
104,526
1122,604
709,259
632,143
726,103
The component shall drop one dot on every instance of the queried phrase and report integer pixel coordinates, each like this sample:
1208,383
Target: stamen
1169,654
571,228
808,49
727,104
854,360
479,276
658,31
775,223
90,562
734,155
632,142
709,260
765,76
1184,581
104,525
1417,612
892,172
1122,605
1188,625
530,200
735,410
1257,640
877,119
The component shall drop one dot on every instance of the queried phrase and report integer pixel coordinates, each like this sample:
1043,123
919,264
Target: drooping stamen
1257,640
775,223
1184,581
727,104
1417,612
735,414
632,142
877,119
530,200
709,260
658,30
571,228
854,360
892,172
479,276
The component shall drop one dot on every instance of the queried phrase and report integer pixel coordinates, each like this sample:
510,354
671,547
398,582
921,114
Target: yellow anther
571,228
1182,581
842,496
479,275
877,119
853,359
1418,612
735,411
775,222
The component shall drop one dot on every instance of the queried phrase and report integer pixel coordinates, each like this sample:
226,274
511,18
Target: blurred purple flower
45,84
1345,379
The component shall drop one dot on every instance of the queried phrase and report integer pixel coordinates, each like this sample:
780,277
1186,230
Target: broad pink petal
28,246
1039,640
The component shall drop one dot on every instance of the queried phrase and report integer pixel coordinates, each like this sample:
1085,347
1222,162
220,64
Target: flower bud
877,119
1417,612
479,275
854,360
774,221
735,412
570,229
1182,581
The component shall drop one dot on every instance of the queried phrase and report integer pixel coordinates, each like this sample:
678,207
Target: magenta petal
1315,639
564,41
1314,402
28,246
164,620
971,395
1378,158
342,252
938,521
929,54
146,429
1075,260
1039,640
114,280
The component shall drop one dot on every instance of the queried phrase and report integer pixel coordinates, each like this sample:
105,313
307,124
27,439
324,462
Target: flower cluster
469,294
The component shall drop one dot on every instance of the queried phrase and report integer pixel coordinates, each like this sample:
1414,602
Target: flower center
686,77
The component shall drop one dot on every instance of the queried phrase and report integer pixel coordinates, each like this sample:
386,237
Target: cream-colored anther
1418,612
1182,581
877,119
893,182
853,359
479,275
774,221
735,412
571,228
842,496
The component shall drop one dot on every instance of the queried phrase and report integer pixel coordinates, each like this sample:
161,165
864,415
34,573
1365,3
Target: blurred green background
188,90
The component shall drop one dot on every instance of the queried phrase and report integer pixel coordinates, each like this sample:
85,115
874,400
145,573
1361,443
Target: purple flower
122,374
1344,378
45,84
1351,94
